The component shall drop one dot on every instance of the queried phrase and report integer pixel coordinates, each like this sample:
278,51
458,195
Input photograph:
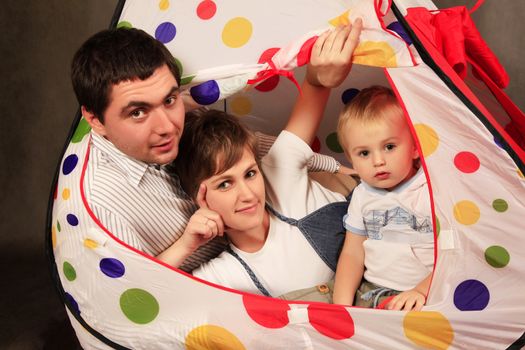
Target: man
127,84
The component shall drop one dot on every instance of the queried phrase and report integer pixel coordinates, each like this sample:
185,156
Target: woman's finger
201,197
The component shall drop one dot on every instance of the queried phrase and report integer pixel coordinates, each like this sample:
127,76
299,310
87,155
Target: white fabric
286,262
399,249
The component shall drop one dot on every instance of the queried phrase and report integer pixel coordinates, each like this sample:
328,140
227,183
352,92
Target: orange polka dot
428,329
212,337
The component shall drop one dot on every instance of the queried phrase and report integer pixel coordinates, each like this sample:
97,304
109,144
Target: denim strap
250,272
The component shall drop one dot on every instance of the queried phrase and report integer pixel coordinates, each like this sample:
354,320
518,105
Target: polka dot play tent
240,56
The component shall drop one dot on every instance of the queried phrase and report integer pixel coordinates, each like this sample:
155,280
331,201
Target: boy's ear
93,121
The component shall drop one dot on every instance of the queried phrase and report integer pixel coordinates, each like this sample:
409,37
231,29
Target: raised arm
329,65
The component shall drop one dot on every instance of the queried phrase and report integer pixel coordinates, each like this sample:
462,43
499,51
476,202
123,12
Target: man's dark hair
112,56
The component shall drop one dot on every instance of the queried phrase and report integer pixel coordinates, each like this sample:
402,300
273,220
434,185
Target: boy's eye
390,146
363,153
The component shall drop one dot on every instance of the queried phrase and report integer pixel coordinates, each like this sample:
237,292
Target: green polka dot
500,205
58,226
69,271
124,24
187,80
333,144
82,130
139,306
438,227
497,256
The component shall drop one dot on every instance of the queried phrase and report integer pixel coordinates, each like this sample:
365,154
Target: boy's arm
350,268
330,63
412,299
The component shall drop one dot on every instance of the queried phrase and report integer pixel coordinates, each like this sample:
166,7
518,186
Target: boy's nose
378,160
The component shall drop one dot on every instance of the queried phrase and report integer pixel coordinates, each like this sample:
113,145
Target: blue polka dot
112,267
471,295
72,219
398,28
69,164
348,95
165,32
73,303
206,93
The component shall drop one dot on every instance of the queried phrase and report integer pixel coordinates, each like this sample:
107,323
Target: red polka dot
269,313
206,9
316,145
269,84
268,54
466,162
303,57
55,195
332,321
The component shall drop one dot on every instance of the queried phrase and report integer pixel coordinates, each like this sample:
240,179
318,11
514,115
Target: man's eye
136,114
170,100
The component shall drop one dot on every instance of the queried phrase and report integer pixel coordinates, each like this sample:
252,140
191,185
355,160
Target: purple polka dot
165,32
69,164
398,28
72,302
206,93
348,95
112,267
471,295
72,219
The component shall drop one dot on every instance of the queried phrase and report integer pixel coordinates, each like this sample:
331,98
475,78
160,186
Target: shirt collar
414,182
133,169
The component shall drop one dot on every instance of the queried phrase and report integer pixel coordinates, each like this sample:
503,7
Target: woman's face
238,195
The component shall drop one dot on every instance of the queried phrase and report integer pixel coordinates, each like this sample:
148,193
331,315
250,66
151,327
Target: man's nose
163,123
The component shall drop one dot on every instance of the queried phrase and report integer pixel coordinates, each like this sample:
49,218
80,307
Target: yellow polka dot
53,236
466,212
241,105
212,337
428,329
520,174
66,193
237,32
341,20
164,4
375,53
89,243
428,139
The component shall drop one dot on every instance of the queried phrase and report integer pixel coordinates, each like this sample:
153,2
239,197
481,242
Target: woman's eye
224,185
251,173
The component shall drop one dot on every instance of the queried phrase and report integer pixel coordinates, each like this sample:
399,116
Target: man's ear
93,121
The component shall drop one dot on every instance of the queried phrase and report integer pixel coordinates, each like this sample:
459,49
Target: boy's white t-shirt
286,262
399,249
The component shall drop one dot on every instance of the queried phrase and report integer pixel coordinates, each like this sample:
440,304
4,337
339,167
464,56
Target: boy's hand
407,301
331,58
204,224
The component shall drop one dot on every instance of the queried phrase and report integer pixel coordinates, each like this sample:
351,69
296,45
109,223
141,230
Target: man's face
144,118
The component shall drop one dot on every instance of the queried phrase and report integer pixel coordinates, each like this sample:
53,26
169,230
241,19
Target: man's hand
332,52
407,301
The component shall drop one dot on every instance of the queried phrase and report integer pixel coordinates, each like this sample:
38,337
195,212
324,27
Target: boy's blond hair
370,105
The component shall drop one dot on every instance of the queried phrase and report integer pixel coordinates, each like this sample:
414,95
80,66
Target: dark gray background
37,106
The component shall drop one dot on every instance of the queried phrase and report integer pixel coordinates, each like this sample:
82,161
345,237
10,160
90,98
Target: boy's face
144,118
382,152
238,195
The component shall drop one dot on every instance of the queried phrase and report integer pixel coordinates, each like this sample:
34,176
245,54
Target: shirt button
323,288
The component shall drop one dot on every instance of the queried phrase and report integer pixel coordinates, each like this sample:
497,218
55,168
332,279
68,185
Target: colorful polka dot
471,295
212,337
398,28
55,192
58,226
500,205
164,5
269,84
333,144
428,329
72,303
341,20
66,193
139,306
375,53
206,9
112,267
89,243
316,145
269,313
428,139
124,24
53,236
348,95
241,105
520,174
237,32
187,80
438,226
70,163
466,212
333,321
466,162
165,32
303,56
497,256
82,130
69,271
206,93
72,219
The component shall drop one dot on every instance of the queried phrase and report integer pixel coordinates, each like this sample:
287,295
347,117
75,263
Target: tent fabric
118,297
